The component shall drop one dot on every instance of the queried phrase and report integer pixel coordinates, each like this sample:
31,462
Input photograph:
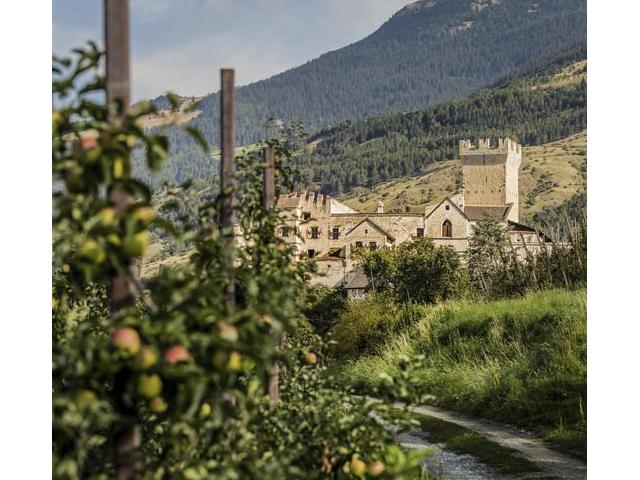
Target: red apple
126,339
176,354
311,358
158,405
376,468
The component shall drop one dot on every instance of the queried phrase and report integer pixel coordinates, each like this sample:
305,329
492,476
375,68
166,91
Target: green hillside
521,361
551,174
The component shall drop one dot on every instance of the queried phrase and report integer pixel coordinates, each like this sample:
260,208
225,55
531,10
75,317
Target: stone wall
447,210
490,173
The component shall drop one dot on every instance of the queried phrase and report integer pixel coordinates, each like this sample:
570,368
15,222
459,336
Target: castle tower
490,173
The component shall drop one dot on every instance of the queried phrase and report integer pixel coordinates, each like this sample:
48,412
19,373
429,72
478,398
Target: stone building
329,231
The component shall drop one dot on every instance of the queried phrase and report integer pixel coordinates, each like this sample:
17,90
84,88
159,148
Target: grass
460,440
519,361
551,174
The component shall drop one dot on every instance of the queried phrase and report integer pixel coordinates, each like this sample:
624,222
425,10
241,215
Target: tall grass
521,361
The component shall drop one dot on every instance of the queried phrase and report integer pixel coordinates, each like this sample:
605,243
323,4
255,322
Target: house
329,231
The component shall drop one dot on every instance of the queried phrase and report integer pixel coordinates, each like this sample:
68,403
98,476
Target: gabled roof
450,201
519,227
358,281
328,258
374,225
479,212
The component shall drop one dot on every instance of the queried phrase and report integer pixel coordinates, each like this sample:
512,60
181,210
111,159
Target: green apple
144,214
228,332
91,250
235,362
205,410
149,386
136,245
358,467
84,398
107,216
146,358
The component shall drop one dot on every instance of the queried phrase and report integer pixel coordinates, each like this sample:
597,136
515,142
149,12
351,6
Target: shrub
416,271
323,307
365,324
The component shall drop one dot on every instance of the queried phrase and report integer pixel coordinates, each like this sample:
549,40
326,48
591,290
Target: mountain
427,53
548,103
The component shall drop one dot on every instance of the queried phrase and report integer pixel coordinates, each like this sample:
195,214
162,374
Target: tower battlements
490,173
484,146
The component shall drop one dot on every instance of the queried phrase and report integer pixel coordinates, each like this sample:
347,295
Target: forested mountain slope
427,53
541,107
542,102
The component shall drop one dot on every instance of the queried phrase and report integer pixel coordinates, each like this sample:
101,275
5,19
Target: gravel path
551,462
444,464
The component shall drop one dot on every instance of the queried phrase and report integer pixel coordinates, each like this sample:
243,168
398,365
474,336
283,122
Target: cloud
180,45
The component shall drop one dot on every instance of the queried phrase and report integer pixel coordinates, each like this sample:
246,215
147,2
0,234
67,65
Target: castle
329,231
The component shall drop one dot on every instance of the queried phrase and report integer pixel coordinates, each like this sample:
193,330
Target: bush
364,325
323,307
416,271
497,272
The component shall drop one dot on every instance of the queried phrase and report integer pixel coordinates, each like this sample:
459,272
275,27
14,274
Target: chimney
380,206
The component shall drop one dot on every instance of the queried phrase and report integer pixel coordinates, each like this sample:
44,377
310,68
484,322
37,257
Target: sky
180,45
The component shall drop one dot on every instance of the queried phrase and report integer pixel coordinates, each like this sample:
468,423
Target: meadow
519,361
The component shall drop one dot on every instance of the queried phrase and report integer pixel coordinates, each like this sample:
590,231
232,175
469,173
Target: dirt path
551,462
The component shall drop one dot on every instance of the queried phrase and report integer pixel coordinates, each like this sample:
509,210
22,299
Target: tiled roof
479,212
360,280
374,225
519,227
328,258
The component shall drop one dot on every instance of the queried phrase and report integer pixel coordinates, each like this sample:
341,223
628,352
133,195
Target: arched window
447,231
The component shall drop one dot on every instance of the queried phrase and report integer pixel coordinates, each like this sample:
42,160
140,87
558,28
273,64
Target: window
359,244
446,207
373,246
447,231
306,215
420,232
315,233
285,231
311,253
335,233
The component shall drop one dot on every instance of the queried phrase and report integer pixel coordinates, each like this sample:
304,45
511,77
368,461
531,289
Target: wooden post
273,384
227,176
269,180
116,16
122,289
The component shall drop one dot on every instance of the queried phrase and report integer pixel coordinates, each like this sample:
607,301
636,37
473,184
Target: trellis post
122,287
227,177
273,384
